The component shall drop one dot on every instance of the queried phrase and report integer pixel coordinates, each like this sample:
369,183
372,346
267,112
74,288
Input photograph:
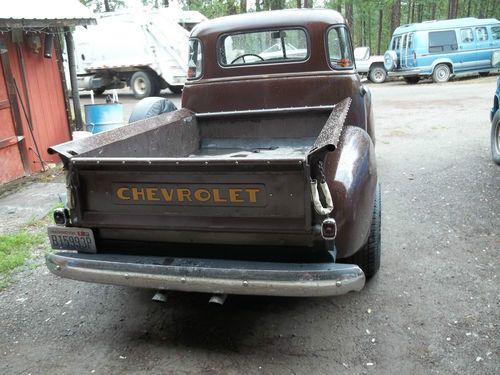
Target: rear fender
352,179
443,61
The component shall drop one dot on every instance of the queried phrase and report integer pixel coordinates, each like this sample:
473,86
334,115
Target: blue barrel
102,117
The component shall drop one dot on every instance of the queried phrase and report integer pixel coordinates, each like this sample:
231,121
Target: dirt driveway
433,307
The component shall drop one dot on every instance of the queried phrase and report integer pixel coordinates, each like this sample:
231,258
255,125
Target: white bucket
80,135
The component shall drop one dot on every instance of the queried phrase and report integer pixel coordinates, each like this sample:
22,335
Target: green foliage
213,9
15,248
366,16
100,5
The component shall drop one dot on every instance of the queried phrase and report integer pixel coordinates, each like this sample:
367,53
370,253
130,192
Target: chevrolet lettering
190,194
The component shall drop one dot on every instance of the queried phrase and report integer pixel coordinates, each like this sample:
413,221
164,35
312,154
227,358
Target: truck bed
207,179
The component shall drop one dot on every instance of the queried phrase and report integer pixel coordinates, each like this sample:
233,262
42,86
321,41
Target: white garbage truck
145,49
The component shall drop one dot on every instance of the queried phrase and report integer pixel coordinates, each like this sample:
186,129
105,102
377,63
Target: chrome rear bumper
210,275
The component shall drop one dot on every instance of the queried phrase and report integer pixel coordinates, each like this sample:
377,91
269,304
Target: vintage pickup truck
263,183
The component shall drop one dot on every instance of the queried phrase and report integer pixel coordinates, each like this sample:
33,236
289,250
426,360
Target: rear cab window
339,48
442,41
264,47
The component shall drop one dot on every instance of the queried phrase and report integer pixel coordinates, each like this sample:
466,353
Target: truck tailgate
194,200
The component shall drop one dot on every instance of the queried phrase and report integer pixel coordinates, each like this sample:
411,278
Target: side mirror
495,59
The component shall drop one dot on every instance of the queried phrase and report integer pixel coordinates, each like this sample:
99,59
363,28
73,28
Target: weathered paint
47,108
11,165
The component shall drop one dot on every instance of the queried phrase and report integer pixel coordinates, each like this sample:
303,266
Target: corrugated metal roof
36,13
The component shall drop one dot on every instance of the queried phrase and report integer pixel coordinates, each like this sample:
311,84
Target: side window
339,48
466,35
442,41
495,32
410,40
481,34
195,59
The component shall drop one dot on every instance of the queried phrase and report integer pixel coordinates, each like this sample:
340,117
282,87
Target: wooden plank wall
46,100
11,165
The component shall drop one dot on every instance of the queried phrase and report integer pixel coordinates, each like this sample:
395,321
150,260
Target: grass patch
15,248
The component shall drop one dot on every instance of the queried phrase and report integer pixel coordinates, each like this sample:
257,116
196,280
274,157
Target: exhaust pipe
218,299
160,296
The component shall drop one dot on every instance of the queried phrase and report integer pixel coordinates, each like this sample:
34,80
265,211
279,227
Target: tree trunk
433,11
379,35
299,4
395,15
165,3
494,9
308,3
412,11
369,32
243,6
107,8
349,17
274,4
409,12
231,7
452,9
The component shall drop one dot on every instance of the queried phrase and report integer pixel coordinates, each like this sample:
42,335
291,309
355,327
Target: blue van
440,49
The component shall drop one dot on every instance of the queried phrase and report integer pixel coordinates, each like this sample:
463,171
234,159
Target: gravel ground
432,308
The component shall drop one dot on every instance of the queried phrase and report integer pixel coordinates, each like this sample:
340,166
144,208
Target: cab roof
271,19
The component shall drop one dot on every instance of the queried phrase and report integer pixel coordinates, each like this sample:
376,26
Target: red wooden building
34,107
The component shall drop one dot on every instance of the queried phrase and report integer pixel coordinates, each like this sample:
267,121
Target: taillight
61,216
329,229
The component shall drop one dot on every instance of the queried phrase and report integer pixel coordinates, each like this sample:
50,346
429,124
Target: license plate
70,238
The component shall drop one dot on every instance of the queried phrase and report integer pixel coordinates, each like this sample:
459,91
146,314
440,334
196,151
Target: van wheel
412,80
143,84
441,73
368,257
176,89
377,74
495,138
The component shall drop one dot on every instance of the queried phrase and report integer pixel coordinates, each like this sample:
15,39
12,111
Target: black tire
151,107
99,91
377,74
412,80
484,74
368,257
441,73
176,89
144,84
495,138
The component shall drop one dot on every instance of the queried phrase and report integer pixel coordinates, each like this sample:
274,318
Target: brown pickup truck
264,183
